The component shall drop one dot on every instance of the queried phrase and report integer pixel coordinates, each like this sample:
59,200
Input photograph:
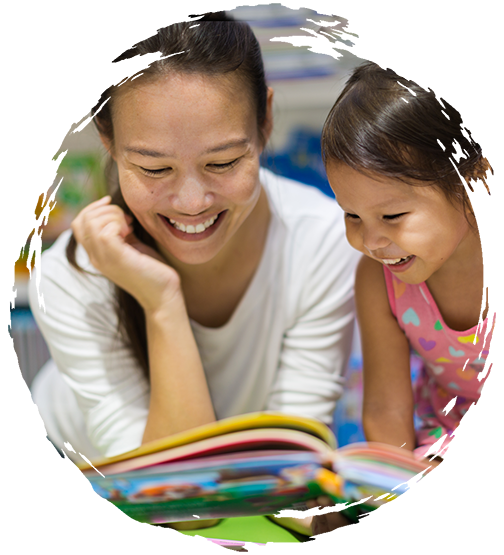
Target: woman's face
187,150
414,230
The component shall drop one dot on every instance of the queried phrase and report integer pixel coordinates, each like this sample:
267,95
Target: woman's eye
154,173
393,216
224,166
351,216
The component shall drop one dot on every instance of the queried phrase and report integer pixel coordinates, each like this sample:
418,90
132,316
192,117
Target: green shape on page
438,326
436,432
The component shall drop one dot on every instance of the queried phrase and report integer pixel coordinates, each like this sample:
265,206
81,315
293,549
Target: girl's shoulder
369,275
377,322
370,284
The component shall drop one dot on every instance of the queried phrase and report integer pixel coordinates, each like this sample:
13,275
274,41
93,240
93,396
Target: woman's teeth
193,229
393,261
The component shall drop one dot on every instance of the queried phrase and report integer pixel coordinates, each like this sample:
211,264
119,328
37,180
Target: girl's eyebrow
156,154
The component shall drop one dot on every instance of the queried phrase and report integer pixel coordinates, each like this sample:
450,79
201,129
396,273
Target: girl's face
187,150
414,230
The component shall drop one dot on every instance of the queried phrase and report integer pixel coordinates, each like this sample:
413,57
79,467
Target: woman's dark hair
383,124
213,45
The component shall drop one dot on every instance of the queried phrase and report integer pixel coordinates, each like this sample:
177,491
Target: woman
204,287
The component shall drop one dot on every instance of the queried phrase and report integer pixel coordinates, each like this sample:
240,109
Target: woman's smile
194,231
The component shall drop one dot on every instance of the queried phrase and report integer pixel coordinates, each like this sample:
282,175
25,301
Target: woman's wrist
166,310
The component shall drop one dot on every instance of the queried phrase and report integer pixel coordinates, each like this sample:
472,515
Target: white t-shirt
284,348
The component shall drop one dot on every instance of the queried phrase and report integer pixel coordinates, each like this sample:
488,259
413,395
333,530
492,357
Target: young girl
395,159
390,151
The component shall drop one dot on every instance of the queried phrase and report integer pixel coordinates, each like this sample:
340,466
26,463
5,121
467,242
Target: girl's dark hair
383,124
213,45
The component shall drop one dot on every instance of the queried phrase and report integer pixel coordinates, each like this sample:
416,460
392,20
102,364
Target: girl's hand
330,529
106,234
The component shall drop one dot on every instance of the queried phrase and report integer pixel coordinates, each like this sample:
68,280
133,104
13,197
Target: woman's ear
268,120
107,143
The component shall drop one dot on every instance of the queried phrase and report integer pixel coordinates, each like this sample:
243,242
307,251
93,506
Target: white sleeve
317,345
80,327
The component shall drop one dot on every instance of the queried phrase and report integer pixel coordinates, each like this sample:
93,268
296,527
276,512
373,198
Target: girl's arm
388,396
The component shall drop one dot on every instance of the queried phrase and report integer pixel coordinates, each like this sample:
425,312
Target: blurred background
56,160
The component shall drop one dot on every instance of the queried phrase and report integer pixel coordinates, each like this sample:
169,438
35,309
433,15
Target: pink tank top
452,376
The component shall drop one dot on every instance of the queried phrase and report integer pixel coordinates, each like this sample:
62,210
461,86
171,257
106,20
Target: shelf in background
21,287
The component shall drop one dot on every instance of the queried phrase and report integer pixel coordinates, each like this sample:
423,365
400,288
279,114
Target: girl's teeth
395,260
193,229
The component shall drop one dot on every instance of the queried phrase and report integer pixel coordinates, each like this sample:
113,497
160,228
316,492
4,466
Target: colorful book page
248,440
252,421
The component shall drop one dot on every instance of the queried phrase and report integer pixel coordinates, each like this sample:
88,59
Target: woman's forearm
179,398
394,427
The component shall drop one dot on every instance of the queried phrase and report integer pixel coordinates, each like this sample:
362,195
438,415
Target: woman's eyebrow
147,152
230,144
157,154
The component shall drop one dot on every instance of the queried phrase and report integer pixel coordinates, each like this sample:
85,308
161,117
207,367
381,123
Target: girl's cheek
353,238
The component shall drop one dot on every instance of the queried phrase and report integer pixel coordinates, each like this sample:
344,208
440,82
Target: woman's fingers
90,224
106,233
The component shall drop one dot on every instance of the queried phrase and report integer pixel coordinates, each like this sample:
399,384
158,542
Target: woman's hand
330,529
106,234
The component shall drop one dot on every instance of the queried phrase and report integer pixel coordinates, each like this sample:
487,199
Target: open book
254,464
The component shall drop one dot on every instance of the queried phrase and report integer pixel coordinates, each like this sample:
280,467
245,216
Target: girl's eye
351,216
393,216
154,173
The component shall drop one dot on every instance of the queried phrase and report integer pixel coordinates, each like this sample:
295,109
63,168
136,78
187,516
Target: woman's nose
191,197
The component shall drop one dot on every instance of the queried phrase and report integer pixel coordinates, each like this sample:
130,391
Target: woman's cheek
138,195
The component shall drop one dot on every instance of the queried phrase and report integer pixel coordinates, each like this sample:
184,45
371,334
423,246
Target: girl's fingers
321,531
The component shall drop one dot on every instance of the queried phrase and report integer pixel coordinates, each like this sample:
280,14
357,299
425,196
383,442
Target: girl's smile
412,229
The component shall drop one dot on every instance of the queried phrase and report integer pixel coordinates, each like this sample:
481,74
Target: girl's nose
373,239
191,197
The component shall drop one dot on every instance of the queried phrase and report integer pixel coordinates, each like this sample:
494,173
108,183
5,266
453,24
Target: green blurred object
250,529
83,182
127,528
